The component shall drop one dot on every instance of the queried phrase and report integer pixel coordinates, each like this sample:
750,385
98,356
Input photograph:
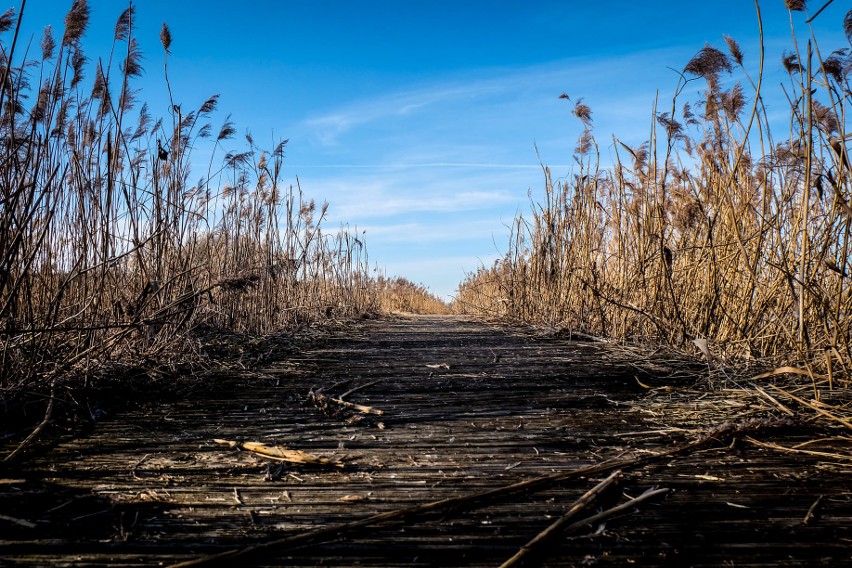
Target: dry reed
402,295
108,252
715,230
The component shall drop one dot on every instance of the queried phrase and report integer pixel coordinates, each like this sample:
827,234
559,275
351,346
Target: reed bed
109,251
401,295
720,234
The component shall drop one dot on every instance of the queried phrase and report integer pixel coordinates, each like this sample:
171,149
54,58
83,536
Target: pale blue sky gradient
418,120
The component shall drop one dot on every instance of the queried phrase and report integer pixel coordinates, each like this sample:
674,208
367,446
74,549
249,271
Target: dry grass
108,251
402,295
717,232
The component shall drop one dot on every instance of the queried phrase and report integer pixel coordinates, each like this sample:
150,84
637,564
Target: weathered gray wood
148,486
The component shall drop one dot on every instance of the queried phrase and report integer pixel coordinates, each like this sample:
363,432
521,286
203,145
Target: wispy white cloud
388,206
492,117
327,128
460,230
380,197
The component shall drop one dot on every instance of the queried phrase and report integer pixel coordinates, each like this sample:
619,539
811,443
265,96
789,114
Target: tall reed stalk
108,250
716,228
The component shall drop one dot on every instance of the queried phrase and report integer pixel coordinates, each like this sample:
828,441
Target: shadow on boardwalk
465,408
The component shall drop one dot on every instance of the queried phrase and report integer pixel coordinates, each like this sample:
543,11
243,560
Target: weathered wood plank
148,486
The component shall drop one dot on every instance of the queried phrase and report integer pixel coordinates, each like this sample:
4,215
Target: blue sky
419,120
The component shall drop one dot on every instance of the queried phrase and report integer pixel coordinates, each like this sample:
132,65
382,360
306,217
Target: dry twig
556,528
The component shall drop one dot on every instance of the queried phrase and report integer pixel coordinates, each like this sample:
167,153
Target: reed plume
714,229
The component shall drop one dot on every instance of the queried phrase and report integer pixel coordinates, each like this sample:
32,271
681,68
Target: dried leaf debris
281,453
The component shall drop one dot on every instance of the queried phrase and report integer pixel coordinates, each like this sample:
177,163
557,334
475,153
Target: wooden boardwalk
465,408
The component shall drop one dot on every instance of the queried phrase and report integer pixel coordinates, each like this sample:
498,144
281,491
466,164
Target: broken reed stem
815,407
280,453
829,368
818,12
780,448
324,403
773,400
586,500
811,514
358,388
20,522
359,407
647,495
33,436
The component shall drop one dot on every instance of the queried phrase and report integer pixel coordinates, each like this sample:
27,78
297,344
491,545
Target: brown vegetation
716,231
402,295
108,252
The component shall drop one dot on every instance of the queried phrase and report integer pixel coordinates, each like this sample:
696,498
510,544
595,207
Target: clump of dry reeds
401,295
716,229
108,251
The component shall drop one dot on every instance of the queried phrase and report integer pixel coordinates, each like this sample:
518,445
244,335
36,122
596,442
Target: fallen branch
554,529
